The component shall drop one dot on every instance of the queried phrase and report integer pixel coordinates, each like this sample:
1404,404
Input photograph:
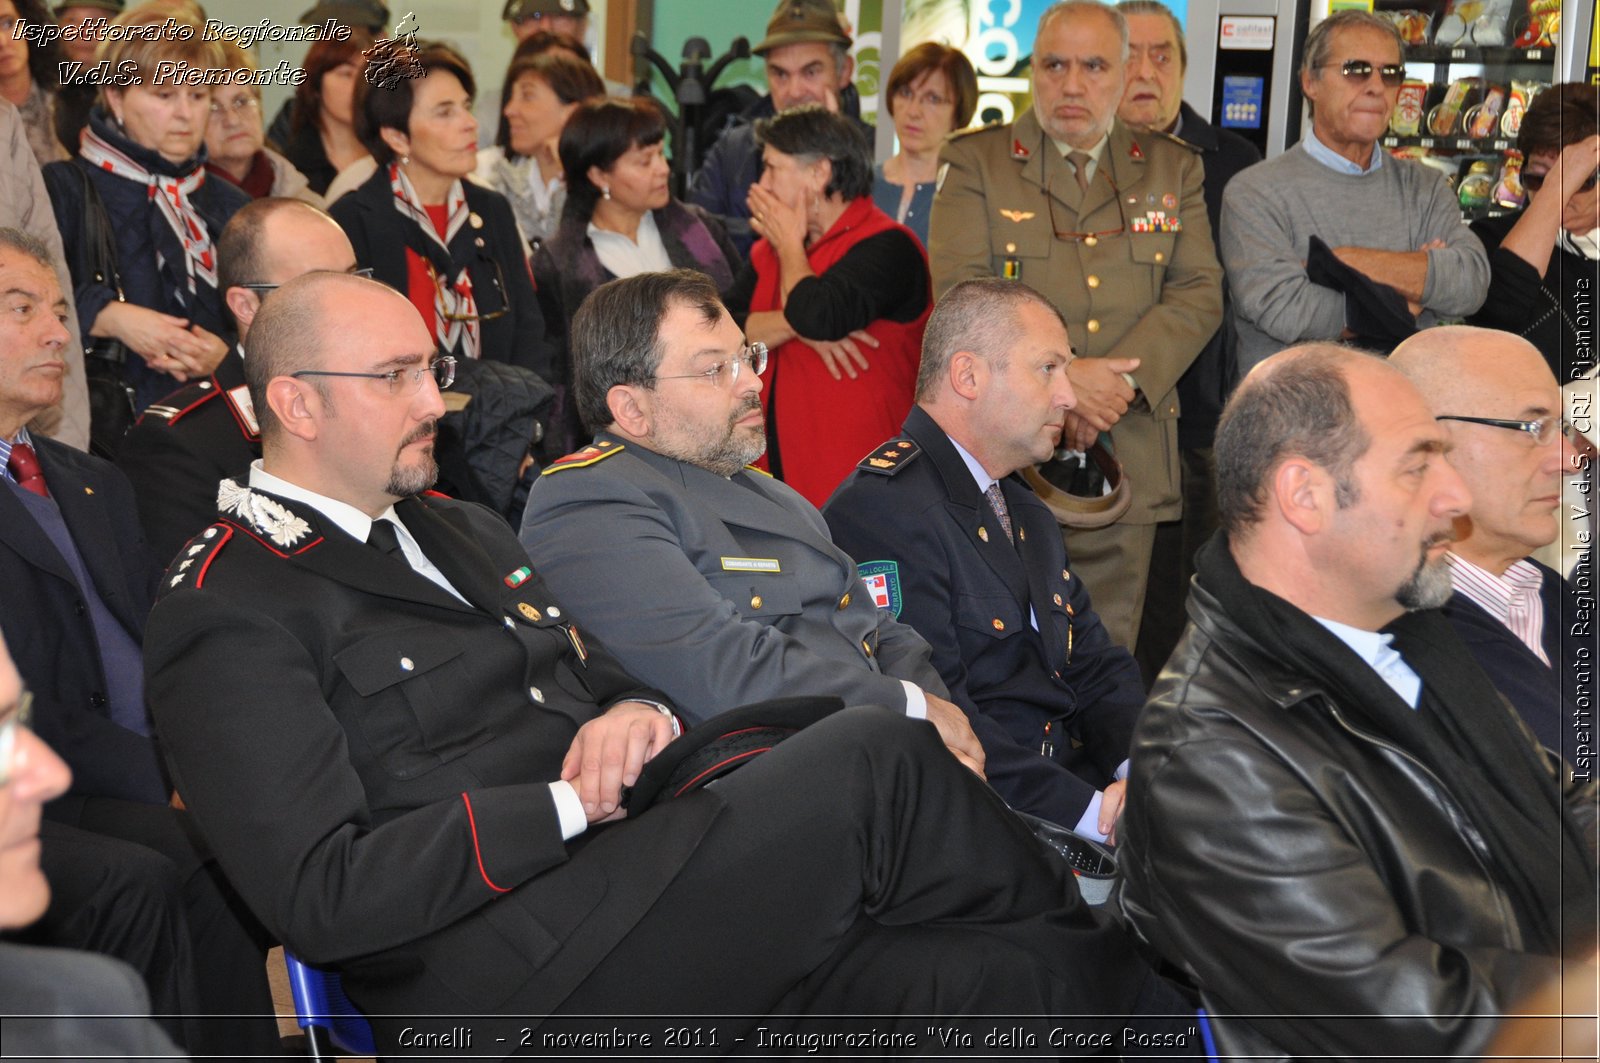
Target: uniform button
1092,281
1090,241
555,613
1058,599
865,648
407,665
983,533
1160,256
1022,535
1011,249
1065,575
1093,325
205,385
511,625
999,625
537,695
755,601
844,603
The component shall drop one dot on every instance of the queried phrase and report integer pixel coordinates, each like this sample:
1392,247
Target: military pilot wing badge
1017,215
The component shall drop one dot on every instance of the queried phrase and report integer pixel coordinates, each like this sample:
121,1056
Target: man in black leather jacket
1334,823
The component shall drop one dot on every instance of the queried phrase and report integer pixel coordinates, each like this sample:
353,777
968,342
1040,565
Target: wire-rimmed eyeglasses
262,287
443,370
14,716
500,286
727,372
1543,431
1116,194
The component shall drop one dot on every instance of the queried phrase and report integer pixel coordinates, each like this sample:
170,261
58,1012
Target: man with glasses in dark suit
206,431
1111,224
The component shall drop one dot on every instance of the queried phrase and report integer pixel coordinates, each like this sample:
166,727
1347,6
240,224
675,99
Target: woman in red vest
838,291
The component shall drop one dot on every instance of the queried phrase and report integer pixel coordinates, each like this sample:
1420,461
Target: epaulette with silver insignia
890,458
188,569
180,402
581,459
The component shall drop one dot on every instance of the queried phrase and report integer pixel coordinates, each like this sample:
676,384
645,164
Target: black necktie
384,539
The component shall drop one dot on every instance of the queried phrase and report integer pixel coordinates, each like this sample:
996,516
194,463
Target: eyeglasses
1359,70
500,286
1535,181
753,355
1116,194
241,106
1543,430
906,94
263,288
443,370
18,714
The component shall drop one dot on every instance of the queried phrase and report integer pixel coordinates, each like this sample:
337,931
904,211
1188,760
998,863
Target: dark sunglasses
1360,70
1535,181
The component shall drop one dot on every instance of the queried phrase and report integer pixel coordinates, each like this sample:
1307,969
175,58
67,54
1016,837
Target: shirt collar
1338,163
350,520
22,437
1094,153
1491,592
1375,648
980,476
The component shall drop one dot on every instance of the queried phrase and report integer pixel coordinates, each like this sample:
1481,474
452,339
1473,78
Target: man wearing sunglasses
1393,221
1496,396
1109,222
206,431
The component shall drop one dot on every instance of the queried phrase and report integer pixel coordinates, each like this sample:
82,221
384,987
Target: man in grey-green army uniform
1111,225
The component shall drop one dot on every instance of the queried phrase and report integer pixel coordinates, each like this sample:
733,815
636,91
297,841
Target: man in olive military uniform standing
1111,225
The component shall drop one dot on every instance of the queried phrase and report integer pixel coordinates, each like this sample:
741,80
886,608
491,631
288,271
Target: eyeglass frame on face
905,94
262,288
237,109
443,369
752,354
1544,431
1534,182
17,715
1393,75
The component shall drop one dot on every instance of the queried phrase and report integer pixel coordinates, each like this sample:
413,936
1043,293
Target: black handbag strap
98,252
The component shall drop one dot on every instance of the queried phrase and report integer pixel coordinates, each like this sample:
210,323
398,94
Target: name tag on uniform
751,564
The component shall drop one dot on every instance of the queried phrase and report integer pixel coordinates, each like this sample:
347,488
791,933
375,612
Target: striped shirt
5,452
1512,599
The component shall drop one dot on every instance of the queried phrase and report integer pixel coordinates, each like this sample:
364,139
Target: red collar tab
1018,151
1134,151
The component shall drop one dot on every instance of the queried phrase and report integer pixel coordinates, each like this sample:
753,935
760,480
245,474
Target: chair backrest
320,1002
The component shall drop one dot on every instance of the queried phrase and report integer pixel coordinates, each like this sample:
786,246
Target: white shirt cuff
916,701
1122,770
1089,822
569,809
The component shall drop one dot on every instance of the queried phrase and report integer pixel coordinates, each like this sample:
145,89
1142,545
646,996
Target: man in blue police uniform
412,762
957,545
206,431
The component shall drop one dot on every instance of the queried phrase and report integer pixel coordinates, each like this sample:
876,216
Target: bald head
303,316
1515,480
271,241
1457,366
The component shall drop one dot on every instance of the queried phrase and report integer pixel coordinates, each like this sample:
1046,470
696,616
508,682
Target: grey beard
1429,587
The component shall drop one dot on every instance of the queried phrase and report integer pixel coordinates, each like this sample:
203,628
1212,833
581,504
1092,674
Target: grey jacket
719,592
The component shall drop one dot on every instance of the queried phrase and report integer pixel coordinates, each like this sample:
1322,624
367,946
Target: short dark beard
405,481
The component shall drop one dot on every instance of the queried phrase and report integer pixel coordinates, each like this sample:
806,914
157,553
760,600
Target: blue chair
334,1027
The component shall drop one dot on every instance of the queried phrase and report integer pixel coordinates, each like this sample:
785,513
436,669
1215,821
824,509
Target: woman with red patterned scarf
143,153
448,244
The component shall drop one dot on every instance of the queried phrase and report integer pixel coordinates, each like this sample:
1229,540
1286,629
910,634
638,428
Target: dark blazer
1547,311
1206,384
368,755
492,252
141,233
1546,697
48,627
182,446
965,589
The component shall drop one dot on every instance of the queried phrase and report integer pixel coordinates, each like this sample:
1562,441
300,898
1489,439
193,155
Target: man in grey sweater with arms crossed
1394,220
